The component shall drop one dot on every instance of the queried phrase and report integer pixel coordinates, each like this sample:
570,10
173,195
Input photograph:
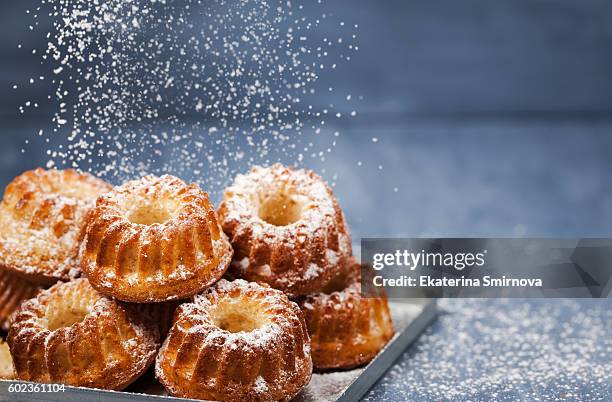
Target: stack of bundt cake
288,231
98,283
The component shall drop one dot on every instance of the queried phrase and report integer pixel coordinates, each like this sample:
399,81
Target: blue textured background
494,118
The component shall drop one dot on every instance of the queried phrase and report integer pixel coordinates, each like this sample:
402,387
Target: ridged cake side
73,335
346,328
152,240
41,217
269,362
286,227
13,291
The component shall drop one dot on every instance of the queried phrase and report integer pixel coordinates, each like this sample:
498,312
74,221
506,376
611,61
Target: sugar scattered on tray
327,387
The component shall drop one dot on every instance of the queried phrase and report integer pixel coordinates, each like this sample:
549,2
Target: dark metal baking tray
409,317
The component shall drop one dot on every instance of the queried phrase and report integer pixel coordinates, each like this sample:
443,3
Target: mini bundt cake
286,228
346,329
238,341
6,362
41,217
71,334
13,290
153,240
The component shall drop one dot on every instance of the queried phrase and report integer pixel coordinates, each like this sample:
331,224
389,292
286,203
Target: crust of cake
41,217
153,240
108,346
299,257
6,362
13,290
271,362
346,329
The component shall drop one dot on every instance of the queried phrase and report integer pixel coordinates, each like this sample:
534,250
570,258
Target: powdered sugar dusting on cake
272,355
41,216
263,337
73,323
261,385
154,216
314,241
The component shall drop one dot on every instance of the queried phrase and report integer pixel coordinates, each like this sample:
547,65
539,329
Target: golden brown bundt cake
286,228
13,290
71,334
152,240
41,217
346,329
6,362
238,341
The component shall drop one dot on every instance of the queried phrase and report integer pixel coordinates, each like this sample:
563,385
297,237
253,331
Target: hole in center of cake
66,319
280,209
234,319
149,215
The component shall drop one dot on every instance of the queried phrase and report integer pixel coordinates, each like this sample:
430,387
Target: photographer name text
457,261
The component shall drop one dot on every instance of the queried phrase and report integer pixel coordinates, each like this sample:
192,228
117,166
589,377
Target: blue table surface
491,119
507,350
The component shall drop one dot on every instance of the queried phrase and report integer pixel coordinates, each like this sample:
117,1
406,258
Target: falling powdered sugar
198,89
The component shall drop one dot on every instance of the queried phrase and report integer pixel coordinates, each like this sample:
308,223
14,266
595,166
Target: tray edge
384,361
